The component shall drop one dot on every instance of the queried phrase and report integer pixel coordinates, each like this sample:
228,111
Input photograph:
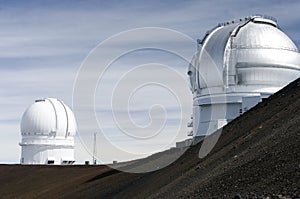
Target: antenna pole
95,149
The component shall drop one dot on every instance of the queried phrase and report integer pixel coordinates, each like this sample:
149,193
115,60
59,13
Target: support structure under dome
238,64
48,128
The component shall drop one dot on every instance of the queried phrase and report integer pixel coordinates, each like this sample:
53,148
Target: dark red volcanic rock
256,155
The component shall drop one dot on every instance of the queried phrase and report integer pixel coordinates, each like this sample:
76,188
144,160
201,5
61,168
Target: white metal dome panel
262,36
38,119
48,116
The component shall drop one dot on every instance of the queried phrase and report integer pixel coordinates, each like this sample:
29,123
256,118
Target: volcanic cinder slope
257,153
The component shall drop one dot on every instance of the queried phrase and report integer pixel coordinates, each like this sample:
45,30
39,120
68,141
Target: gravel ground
257,156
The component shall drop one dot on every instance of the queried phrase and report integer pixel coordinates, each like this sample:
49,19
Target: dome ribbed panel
48,117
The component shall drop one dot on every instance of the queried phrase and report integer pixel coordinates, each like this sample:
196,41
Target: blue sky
43,45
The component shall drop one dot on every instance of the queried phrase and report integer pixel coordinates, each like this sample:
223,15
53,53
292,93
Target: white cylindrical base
211,113
38,153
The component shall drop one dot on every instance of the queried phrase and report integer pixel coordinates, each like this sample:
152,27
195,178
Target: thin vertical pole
95,149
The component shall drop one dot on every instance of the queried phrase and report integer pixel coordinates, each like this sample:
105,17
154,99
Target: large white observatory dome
48,128
237,65
48,117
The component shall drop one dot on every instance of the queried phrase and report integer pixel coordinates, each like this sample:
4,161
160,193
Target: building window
50,162
64,162
71,162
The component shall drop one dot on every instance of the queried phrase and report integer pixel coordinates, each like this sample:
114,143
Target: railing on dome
201,41
248,18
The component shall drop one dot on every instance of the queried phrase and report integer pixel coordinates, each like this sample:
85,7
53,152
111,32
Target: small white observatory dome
48,128
238,64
